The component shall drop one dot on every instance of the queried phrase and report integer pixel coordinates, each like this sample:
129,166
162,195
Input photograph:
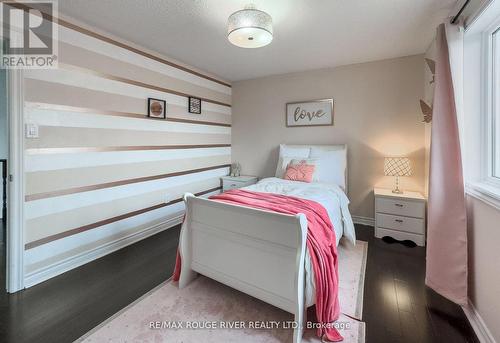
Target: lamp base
396,190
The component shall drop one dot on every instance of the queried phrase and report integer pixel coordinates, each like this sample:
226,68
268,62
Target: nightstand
233,182
400,216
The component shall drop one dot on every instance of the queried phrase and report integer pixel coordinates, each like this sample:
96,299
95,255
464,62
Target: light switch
31,130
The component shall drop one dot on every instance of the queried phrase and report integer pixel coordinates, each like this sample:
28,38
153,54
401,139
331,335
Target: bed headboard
327,148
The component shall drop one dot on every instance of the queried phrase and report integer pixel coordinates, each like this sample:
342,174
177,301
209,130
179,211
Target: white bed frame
260,253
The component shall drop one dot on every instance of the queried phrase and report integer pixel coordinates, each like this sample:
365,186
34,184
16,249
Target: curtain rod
455,18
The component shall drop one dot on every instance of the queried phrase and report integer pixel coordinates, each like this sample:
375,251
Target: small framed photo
157,108
194,105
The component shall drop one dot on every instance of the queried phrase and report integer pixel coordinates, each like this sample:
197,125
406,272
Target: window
491,59
481,95
495,106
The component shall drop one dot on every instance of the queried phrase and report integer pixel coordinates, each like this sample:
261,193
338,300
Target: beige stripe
175,111
49,225
134,82
45,106
61,192
199,122
69,137
122,45
55,180
75,56
120,148
38,91
81,229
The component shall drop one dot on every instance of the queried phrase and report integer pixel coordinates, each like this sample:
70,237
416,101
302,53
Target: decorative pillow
300,171
311,161
283,163
331,166
288,153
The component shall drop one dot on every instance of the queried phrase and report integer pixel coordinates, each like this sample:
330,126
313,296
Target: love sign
310,113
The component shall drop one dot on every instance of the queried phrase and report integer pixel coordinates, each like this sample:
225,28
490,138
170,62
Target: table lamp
397,166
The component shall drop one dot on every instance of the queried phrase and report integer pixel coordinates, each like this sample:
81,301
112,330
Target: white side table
400,216
233,182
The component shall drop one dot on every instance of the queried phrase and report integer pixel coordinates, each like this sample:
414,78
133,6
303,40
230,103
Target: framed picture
157,108
309,113
194,105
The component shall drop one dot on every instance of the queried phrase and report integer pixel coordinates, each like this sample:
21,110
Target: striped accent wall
101,170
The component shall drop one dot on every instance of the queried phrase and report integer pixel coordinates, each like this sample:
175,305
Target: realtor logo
29,31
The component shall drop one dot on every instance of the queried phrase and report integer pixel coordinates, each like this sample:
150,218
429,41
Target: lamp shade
397,166
250,28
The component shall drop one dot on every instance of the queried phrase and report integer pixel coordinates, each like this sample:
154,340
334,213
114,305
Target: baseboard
363,220
80,259
482,332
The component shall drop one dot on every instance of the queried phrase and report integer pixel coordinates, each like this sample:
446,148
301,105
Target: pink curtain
446,269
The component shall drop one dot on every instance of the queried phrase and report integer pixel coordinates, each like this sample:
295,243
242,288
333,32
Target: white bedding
330,196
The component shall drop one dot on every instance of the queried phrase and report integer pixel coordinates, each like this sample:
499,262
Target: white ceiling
308,34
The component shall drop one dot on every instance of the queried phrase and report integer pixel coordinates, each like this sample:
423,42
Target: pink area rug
205,310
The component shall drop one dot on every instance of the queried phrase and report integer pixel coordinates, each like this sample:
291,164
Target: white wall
3,126
484,264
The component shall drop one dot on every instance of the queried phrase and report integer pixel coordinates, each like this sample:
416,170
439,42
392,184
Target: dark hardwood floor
397,305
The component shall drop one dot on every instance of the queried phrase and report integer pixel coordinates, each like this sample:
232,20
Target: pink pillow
300,172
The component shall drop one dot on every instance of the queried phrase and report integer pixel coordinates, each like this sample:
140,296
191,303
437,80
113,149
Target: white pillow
331,166
287,154
299,152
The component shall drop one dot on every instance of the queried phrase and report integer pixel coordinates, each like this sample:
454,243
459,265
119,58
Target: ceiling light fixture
250,28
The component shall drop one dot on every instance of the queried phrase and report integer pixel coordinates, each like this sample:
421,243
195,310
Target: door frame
14,267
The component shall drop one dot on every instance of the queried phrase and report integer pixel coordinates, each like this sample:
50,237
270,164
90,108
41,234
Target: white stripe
46,117
59,246
123,227
94,159
44,207
93,82
98,46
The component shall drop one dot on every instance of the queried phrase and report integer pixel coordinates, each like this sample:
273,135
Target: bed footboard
257,252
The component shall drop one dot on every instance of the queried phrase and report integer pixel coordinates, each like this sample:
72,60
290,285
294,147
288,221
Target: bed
263,253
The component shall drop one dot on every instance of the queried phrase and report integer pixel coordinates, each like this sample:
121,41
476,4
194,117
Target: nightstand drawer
400,207
407,224
228,184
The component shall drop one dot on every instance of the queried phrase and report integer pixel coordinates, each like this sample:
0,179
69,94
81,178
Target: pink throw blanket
321,244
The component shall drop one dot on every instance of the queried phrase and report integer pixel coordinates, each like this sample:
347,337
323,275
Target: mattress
331,197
